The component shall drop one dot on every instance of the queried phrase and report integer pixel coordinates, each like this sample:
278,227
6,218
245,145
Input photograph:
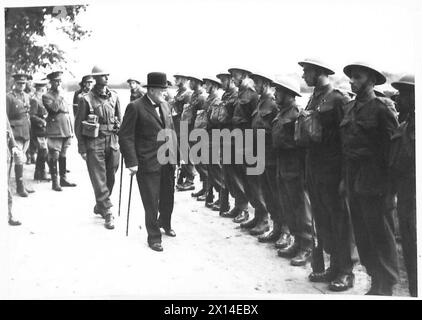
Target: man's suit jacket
138,134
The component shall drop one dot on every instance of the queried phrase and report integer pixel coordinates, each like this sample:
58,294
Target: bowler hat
156,80
379,77
55,75
317,63
97,71
20,77
239,69
288,84
213,81
405,81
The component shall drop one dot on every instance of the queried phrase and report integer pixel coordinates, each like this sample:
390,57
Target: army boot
20,188
54,176
261,227
42,158
242,216
62,168
200,192
109,221
272,235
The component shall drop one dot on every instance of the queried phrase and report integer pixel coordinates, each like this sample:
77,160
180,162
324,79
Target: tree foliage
25,26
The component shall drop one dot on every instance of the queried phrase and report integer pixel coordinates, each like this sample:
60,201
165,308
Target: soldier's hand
15,151
133,170
83,155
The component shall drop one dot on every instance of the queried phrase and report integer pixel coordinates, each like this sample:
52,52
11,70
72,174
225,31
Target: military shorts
59,145
42,143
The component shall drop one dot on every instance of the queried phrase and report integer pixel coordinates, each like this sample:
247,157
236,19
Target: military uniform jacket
59,124
11,143
17,109
138,134
197,102
262,118
107,108
367,128
76,97
182,97
245,105
212,101
221,116
283,128
402,153
328,102
38,114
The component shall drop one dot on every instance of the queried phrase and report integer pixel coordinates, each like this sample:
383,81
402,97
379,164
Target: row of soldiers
322,190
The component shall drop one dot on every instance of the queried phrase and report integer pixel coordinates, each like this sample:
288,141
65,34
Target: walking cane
128,206
121,180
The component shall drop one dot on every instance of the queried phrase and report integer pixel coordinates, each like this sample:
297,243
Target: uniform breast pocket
99,111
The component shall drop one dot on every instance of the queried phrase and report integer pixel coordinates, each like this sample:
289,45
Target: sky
204,37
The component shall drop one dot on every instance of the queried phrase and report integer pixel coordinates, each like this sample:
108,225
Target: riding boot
62,168
54,176
20,188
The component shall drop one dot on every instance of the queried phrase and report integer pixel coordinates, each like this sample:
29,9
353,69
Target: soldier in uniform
291,170
59,131
402,163
135,89
197,102
100,152
12,150
215,172
262,118
367,128
38,115
323,176
84,87
182,99
17,109
249,186
228,103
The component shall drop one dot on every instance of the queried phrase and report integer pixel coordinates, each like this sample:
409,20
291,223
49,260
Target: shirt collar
152,102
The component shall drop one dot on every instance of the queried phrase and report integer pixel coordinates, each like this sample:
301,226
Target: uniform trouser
102,163
269,190
20,157
331,218
157,193
235,181
372,226
215,176
57,147
291,192
255,195
406,209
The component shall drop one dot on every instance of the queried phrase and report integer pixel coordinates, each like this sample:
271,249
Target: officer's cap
40,83
379,77
20,77
317,63
55,75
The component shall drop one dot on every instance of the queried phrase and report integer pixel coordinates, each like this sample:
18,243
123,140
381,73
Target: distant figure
12,150
85,86
135,89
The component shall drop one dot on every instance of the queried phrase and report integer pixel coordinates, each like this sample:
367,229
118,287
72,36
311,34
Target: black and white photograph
209,149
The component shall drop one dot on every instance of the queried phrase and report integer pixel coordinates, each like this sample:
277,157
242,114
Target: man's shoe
215,207
284,241
13,222
301,258
241,217
230,214
210,204
109,222
99,212
188,185
270,236
201,197
289,251
325,276
342,282
156,246
65,183
249,224
170,232
199,193
260,228
29,190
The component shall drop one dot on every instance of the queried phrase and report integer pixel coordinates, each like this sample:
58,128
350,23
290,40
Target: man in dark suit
143,120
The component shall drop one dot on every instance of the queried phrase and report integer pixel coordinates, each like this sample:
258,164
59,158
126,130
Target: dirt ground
62,250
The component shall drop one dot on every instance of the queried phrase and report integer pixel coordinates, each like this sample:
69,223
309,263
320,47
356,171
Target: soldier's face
259,85
237,77
133,85
208,87
406,99
19,86
101,80
225,82
310,75
55,84
279,95
87,85
360,79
